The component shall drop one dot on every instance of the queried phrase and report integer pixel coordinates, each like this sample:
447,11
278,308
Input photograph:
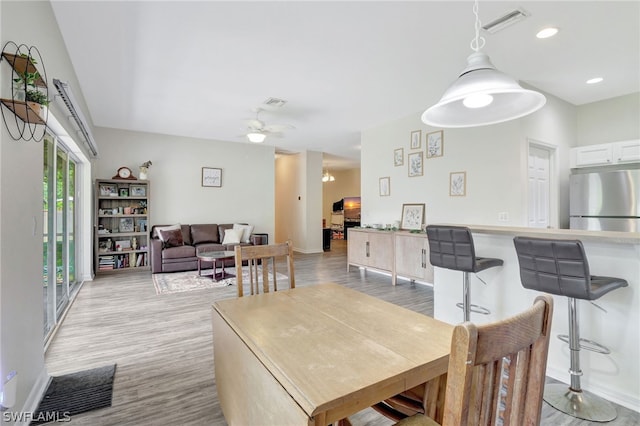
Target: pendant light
326,177
482,95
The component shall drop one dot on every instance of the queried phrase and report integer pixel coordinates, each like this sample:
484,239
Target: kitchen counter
617,254
575,234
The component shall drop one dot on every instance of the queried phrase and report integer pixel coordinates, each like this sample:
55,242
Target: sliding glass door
59,236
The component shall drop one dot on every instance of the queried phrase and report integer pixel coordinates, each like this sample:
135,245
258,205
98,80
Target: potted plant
27,90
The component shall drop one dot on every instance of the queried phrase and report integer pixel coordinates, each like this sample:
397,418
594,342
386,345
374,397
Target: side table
259,239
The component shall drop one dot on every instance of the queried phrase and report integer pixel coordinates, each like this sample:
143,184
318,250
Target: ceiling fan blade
255,124
278,127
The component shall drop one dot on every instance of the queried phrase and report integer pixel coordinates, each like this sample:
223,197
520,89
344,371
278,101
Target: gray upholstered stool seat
452,247
561,267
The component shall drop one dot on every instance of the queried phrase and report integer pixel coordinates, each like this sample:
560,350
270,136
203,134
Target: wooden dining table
315,355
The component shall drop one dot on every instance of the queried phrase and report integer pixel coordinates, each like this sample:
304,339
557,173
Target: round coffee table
215,256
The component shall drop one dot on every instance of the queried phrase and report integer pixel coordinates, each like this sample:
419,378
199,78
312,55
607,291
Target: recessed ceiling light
547,32
594,80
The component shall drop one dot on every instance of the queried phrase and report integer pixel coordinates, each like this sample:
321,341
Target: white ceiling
199,68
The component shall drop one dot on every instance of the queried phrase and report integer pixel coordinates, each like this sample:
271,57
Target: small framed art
385,186
398,157
416,139
108,190
458,184
211,177
126,224
138,190
412,217
435,144
415,164
124,192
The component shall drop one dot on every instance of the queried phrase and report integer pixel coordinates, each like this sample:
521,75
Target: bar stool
451,247
560,267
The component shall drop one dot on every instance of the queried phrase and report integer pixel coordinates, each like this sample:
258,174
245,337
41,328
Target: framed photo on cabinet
126,224
138,190
412,217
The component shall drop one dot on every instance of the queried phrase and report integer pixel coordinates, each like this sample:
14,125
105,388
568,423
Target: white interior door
539,177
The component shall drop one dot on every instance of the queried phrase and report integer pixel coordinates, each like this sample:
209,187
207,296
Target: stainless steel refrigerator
605,201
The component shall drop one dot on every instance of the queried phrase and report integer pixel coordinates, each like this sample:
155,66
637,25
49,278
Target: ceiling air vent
274,102
505,21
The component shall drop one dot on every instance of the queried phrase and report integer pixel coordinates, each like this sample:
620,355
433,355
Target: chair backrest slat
261,264
497,371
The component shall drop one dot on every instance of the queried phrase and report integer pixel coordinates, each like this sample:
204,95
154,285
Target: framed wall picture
435,147
398,157
412,217
211,177
458,184
416,139
384,186
138,190
415,164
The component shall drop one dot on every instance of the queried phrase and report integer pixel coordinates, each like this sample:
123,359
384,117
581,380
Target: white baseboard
35,395
610,394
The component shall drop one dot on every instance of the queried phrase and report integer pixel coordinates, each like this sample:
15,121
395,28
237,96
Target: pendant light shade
482,95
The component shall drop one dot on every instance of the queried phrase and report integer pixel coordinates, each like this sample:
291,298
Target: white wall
612,120
493,158
299,200
248,177
21,303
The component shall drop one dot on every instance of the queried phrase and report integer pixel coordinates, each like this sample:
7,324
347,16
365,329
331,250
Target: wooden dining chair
496,373
258,259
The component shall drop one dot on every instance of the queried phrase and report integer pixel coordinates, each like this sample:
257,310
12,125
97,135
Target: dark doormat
76,393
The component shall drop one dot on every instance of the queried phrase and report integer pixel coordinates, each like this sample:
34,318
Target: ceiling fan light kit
258,130
256,137
482,95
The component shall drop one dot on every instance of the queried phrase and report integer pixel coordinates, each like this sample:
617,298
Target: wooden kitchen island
616,376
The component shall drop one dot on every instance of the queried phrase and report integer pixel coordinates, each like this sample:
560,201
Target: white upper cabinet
605,154
627,151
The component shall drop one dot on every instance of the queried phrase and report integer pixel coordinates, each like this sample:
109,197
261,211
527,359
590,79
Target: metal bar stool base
583,404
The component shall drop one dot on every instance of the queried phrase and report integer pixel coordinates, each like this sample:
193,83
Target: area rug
178,282
76,393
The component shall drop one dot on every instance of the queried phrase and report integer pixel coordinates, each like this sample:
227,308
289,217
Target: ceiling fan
257,130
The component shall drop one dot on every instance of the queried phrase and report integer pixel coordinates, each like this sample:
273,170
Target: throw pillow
231,237
244,232
171,236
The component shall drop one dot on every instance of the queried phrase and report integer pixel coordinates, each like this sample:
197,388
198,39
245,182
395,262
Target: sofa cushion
206,247
244,231
223,227
186,232
178,252
231,237
171,237
204,233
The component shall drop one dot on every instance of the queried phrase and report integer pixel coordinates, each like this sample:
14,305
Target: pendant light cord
478,42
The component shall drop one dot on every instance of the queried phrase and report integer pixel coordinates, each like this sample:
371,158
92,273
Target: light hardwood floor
163,346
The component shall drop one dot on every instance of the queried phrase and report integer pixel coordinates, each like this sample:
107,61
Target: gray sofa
198,238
